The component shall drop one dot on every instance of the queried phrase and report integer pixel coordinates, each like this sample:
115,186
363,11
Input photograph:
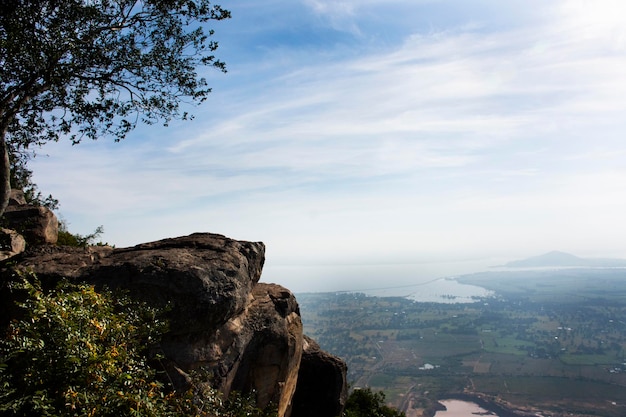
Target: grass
574,359
382,381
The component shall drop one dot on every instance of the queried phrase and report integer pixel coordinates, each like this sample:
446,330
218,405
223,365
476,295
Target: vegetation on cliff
367,403
76,351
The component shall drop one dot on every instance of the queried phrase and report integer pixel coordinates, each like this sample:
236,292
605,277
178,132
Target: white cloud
593,21
465,140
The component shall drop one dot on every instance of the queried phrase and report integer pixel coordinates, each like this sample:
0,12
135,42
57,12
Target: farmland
549,340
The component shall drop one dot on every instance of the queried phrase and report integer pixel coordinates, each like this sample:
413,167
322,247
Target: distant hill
556,259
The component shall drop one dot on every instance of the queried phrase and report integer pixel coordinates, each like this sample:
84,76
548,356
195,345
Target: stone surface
271,359
246,335
16,198
203,279
11,243
37,224
322,386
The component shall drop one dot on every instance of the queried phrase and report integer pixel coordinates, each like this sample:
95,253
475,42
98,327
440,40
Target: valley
548,342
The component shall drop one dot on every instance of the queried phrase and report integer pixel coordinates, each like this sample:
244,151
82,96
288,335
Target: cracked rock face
248,336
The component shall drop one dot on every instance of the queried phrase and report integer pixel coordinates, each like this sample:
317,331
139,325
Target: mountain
562,259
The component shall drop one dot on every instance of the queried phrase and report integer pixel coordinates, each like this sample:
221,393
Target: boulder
203,279
322,385
11,243
16,198
37,224
271,360
243,335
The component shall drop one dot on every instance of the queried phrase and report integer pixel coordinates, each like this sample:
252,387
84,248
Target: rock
16,198
322,386
244,335
11,243
271,360
37,224
257,350
203,279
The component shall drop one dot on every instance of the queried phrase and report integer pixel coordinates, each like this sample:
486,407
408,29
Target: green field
553,340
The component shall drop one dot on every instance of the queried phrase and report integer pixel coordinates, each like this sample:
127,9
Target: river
442,290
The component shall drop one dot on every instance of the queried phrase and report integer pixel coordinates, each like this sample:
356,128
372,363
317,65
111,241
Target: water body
442,290
301,278
458,408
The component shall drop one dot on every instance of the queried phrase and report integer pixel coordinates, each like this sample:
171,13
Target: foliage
366,403
88,68
240,405
79,352
66,238
102,62
22,179
203,400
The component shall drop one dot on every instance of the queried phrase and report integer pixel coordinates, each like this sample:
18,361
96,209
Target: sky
380,142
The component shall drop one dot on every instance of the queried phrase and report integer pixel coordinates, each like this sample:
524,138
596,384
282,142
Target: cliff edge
247,335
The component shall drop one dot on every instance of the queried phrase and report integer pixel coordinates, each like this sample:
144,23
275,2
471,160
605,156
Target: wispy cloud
469,133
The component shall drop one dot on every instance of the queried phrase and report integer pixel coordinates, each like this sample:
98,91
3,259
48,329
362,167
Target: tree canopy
91,68
367,403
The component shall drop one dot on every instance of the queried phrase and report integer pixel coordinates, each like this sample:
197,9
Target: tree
366,403
91,68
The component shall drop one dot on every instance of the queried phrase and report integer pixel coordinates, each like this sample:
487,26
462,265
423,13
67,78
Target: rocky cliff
247,335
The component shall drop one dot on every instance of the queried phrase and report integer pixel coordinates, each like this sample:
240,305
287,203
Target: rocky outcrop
11,243
247,335
16,198
37,224
322,385
274,350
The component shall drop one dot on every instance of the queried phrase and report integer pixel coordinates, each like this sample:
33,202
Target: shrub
66,238
79,352
366,403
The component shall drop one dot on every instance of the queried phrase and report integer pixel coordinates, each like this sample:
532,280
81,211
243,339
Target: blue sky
353,135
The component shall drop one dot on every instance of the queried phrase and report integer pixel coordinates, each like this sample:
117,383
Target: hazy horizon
367,276
400,278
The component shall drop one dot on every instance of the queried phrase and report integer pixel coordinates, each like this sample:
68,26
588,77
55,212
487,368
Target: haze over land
562,259
549,342
369,141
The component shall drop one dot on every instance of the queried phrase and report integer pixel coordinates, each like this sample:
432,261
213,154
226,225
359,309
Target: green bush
366,403
66,238
79,352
